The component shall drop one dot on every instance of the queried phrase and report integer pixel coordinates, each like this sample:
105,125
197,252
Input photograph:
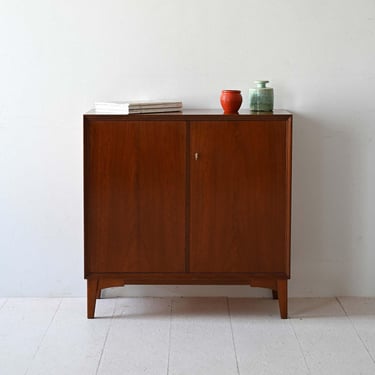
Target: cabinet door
134,196
240,196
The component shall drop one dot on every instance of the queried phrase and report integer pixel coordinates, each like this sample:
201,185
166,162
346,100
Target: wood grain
239,215
134,196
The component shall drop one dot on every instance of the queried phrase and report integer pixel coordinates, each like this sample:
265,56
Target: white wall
58,57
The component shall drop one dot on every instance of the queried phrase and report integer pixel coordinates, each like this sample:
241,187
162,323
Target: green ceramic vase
261,97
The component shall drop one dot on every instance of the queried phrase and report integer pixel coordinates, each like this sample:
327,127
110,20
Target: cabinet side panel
288,190
239,211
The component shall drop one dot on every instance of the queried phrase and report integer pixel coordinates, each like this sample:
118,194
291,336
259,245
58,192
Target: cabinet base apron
278,285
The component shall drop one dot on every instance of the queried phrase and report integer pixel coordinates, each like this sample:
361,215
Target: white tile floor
178,336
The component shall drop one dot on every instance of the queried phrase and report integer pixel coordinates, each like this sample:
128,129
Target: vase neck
261,84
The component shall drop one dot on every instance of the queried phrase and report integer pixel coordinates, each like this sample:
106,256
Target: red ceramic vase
231,101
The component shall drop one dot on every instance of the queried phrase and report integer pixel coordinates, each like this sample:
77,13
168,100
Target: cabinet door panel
135,196
239,188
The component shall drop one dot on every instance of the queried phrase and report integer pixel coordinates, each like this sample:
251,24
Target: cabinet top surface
216,114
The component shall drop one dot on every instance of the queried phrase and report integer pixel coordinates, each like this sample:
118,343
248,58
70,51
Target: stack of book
142,106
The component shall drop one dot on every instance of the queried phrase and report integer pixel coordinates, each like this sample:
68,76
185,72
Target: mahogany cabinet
187,198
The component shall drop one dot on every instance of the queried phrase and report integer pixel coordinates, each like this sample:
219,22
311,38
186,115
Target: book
135,111
142,106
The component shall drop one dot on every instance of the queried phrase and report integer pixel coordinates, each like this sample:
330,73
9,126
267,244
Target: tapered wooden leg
98,291
275,295
282,290
92,291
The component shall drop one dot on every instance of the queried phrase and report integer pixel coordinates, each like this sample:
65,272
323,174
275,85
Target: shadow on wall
329,209
326,206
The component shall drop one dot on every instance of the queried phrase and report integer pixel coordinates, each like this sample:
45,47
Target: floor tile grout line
4,303
44,335
106,337
170,333
299,345
355,329
233,341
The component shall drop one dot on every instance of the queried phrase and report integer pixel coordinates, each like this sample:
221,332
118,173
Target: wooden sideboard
187,198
